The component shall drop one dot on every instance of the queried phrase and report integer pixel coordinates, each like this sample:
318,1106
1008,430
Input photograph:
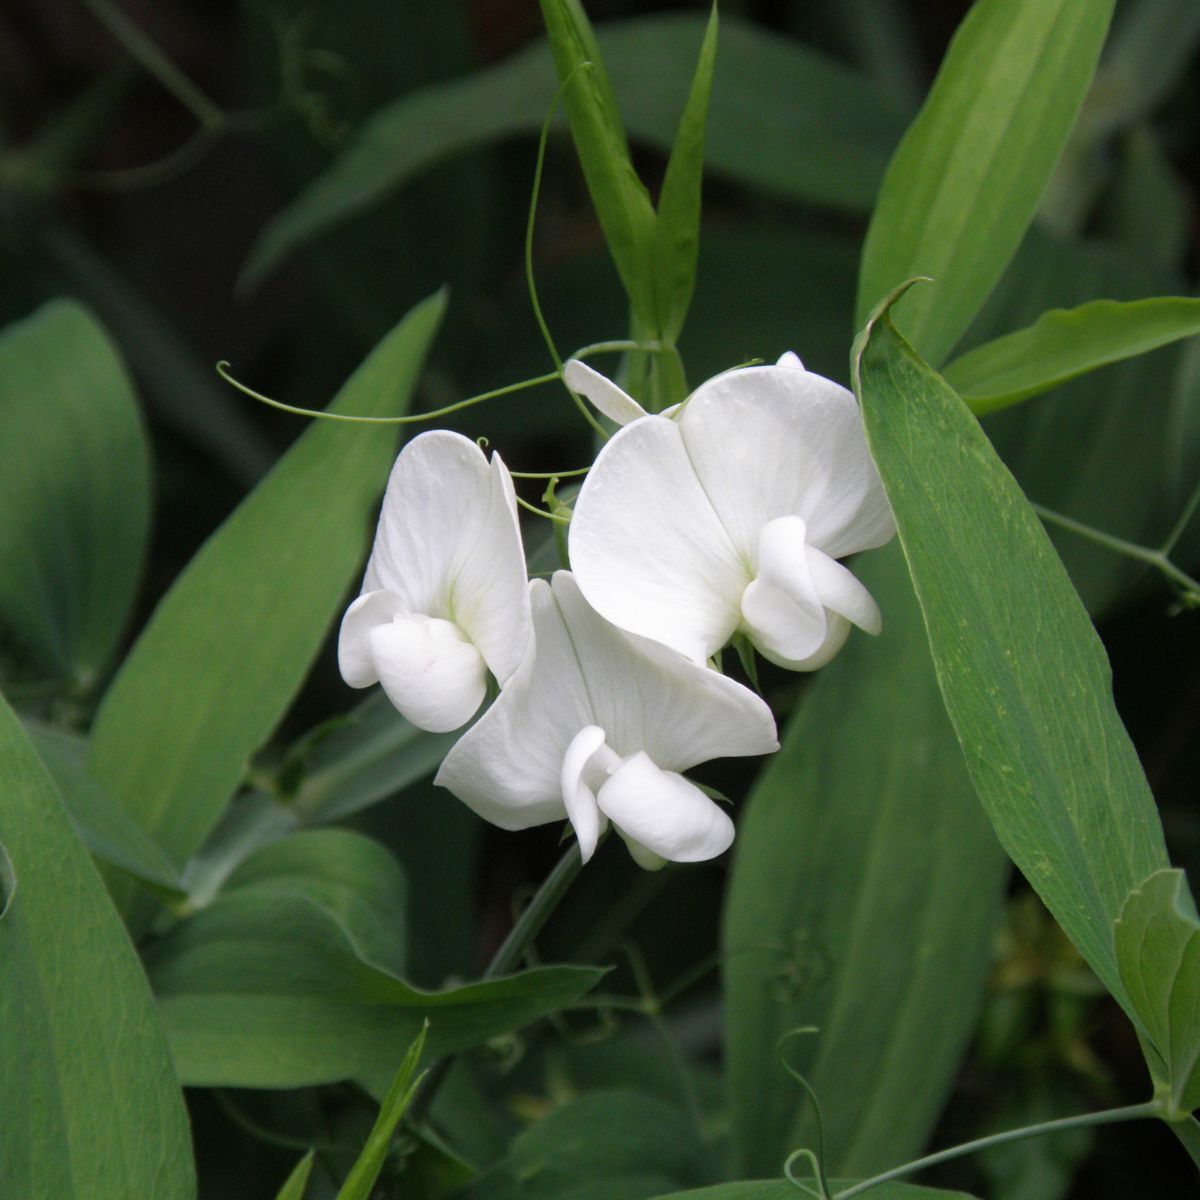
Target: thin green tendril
813,1162
411,419
818,1159
550,474
541,512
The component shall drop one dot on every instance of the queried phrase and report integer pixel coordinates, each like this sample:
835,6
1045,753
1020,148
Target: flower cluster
725,515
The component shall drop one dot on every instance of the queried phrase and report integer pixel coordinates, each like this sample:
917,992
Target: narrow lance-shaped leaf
230,643
1158,953
966,180
1066,343
90,1107
1023,674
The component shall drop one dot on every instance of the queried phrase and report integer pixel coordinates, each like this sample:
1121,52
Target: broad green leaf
1064,344
781,1189
1158,953
966,180
677,224
1023,674
355,761
621,201
107,830
272,988
783,117
230,643
865,893
74,490
614,1145
361,1180
294,1185
90,1107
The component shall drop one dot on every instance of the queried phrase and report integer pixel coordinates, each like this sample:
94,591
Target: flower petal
355,659
614,402
449,546
789,358
429,670
579,799
649,552
768,442
782,610
508,766
647,697
664,812
841,592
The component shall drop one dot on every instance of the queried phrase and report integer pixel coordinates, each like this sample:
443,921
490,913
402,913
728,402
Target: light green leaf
865,893
1023,674
74,490
295,1184
1064,344
783,117
621,201
399,1096
1158,954
231,642
272,988
677,225
358,760
966,180
90,1107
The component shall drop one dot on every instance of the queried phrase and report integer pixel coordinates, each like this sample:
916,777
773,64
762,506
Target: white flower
595,726
728,514
444,599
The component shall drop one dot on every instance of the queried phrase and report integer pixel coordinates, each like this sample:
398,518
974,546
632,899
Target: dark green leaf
295,1184
90,1107
74,490
230,643
966,180
1023,674
1158,953
865,893
1064,344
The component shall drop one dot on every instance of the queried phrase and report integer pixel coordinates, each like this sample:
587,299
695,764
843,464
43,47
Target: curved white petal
647,697
789,358
355,660
841,592
664,813
614,402
448,545
508,766
768,442
430,671
837,630
649,552
782,609
579,799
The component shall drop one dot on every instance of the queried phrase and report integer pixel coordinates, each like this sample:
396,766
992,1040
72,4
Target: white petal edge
355,659
578,798
782,610
841,592
613,401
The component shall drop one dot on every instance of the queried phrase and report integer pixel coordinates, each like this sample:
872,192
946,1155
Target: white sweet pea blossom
595,726
728,513
444,598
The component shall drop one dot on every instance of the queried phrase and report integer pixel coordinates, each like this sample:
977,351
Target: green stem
1177,530
1110,1116
1154,558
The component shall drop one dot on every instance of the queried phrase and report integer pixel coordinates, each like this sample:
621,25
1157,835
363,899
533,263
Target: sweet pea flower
595,726
727,514
444,598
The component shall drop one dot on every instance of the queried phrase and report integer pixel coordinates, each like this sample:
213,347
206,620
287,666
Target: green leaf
357,760
276,985
966,180
1023,674
677,224
399,1096
229,645
1064,344
107,831
781,1189
783,117
75,491
621,201
1158,953
295,1184
614,1145
90,1106
865,893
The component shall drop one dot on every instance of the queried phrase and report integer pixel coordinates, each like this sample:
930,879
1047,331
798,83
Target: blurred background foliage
275,182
